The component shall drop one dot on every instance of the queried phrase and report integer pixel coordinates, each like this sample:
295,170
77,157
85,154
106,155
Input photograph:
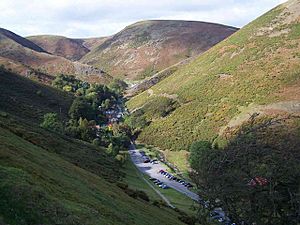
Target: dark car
152,179
146,160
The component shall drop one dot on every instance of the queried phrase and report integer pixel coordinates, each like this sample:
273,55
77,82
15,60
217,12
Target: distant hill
6,34
72,49
91,43
255,71
144,48
49,178
25,57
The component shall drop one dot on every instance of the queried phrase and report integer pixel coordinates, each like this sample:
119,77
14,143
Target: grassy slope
256,68
47,178
31,100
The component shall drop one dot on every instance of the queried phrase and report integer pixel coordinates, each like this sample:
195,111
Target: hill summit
146,47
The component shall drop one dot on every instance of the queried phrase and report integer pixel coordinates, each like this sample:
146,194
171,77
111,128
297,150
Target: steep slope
20,40
48,178
72,49
33,62
148,82
91,43
146,47
256,70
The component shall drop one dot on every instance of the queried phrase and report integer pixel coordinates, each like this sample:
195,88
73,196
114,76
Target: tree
136,120
51,122
81,108
118,86
257,176
198,152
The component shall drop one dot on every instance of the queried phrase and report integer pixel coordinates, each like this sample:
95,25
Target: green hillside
49,178
257,69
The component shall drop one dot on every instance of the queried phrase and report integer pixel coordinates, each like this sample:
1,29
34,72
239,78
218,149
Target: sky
97,18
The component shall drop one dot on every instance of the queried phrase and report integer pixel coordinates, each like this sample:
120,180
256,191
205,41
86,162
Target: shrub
142,195
122,185
159,203
131,193
3,114
51,122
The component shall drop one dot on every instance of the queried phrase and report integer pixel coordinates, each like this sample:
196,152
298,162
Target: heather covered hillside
256,70
144,48
28,59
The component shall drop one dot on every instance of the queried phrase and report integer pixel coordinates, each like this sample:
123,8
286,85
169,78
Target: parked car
152,179
156,181
164,186
154,161
146,160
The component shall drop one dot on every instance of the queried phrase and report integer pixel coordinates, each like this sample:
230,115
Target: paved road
152,171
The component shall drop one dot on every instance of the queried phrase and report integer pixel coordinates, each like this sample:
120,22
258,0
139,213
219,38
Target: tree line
256,177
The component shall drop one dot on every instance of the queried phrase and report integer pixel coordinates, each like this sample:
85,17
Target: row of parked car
146,158
172,177
159,183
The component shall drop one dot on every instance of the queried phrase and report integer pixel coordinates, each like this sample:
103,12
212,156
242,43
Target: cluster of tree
87,114
256,178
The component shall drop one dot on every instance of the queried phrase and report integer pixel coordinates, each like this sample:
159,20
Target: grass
48,178
31,100
257,69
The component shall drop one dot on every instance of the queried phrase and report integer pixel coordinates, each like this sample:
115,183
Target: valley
166,121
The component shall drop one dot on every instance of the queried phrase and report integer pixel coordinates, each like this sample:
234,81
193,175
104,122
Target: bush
159,203
3,114
131,193
96,142
122,185
190,220
198,150
142,195
51,122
